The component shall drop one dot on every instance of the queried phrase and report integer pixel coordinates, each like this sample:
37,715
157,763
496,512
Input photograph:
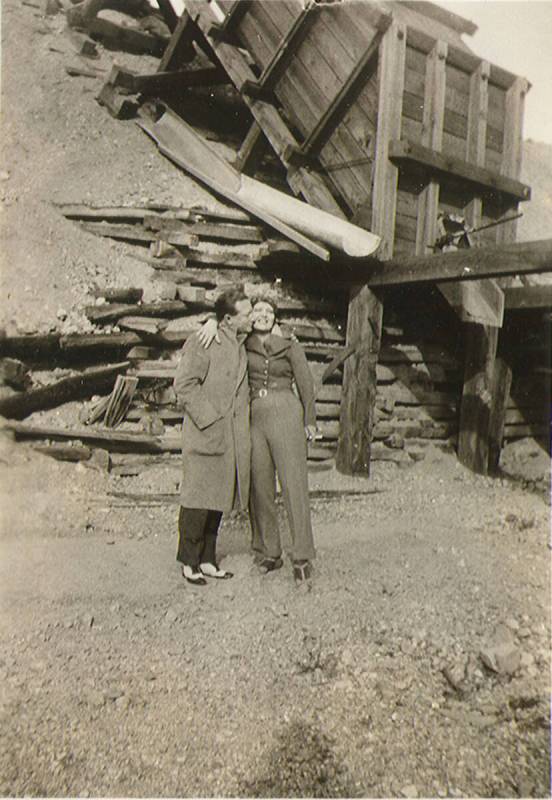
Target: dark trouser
278,445
197,541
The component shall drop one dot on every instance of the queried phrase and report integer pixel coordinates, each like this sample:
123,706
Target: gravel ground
119,679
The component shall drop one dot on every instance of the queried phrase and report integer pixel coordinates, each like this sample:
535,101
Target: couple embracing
243,423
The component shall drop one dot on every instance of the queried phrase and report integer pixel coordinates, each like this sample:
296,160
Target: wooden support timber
405,151
521,258
365,308
477,397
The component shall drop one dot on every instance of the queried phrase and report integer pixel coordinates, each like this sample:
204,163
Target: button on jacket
274,364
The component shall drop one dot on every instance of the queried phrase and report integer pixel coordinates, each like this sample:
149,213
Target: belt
264,391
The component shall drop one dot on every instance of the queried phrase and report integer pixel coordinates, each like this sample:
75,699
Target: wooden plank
523,258
161,83
512,150
119,295
391,82
126,38
434,109
252,150
287,46
99,341
114,311
334,112
404,151
135,233
527,297
180,48
442,15
309,68
476,301
500,390
74,387
359,390
110,439
475,412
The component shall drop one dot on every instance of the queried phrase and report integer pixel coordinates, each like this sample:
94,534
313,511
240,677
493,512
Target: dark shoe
214,571
302,571
193,577
270,564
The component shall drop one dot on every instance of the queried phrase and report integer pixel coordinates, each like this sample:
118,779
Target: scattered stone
512,623
501,658
409,791
113,694
527,659
455,674
87,620
171,615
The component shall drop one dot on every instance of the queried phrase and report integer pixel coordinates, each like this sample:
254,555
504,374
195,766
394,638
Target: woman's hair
265,298
226,301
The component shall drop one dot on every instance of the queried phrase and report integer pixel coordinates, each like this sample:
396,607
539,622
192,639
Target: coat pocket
210,441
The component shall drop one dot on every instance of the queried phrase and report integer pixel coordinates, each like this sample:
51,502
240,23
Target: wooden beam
512,150
168,13
159,83
526,297
521,258
251,152
442,15
111,440
404,151
482,301
365,314
500,391
358,400
222,30
475,412
288,46
75,387
476,301
432,137
391,69
180,49
336,110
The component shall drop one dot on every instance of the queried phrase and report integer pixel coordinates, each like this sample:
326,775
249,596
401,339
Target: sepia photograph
275,398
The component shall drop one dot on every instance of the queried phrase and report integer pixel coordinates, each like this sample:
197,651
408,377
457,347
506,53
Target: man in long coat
212,389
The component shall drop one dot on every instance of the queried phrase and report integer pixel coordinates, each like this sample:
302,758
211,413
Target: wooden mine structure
378,113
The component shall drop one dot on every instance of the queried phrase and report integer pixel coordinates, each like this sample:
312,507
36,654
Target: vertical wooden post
487,380
480,341
512,149
391,65
475,412
432,136
500,390
477,131
365,308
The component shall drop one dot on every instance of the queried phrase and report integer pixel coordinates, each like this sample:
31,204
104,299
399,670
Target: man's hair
226,301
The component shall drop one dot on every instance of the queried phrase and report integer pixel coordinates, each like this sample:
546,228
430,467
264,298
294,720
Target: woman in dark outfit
281,424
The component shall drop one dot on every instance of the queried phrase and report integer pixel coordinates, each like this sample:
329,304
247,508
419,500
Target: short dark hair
265,298
226,301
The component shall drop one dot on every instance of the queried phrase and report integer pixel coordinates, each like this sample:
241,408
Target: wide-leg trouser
197,540
278,445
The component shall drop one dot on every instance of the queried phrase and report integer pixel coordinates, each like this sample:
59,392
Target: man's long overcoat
212,390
